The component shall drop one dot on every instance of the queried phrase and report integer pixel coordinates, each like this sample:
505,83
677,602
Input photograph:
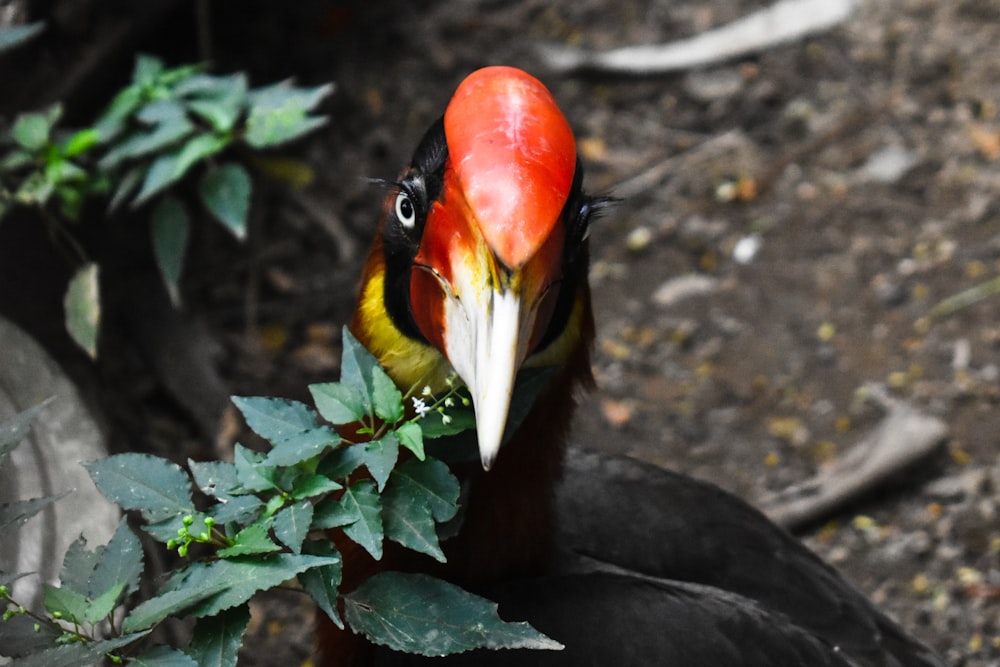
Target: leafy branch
154,133
264,518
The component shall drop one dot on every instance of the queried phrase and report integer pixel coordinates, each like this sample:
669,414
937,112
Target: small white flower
426,391
449,402
445,419
420,407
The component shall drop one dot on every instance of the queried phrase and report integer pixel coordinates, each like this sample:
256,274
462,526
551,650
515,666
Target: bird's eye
406,212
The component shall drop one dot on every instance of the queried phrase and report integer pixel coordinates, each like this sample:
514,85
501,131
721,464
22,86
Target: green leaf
460,419
169,229
381,456
80,142
32,130
127,184
164,172
410,523
74,655
173,602
19,638
419,495
14,429
147,69
220,100
17,513
303,446
356,364
253,474
254,539
291,525
13,36
386,398
275,419
322,584
308,485
362,502
82,305
280,113
340,463
214,478
118,562
102,605
416,613
429,482
78,566
111,123
338,402
246,575
168,131
155,487
163,656
412,437
238,509
66,602
225,191
217,638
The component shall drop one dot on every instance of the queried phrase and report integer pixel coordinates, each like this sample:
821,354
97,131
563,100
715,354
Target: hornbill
479,268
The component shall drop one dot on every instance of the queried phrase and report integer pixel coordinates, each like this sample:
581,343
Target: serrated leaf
78,566
322,584
361,501
380,458
19,638
416,613
17,513
14,429
65,602
237,509
409,522
74,655
225,192
102,605
308,485
386,398
275,419
338,402
251,471
157,488
163,656
291,525
289,425
120,561
214,478
356,364
246,575
172,603
169,230
254,539
341,462
430,482
217,638
82,306
412,437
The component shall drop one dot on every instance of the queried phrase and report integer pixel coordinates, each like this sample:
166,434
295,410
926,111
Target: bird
479,269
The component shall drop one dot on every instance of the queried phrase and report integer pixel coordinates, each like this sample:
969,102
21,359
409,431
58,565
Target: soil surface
789,223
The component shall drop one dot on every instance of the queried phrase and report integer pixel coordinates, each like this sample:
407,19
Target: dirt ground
788,223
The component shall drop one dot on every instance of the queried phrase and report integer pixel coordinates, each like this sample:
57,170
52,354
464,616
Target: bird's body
480,268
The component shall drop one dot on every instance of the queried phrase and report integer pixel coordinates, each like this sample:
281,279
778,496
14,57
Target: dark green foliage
262,520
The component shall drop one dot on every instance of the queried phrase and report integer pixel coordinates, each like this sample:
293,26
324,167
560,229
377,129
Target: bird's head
483,247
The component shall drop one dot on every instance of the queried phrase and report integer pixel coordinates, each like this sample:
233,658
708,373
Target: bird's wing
658,523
